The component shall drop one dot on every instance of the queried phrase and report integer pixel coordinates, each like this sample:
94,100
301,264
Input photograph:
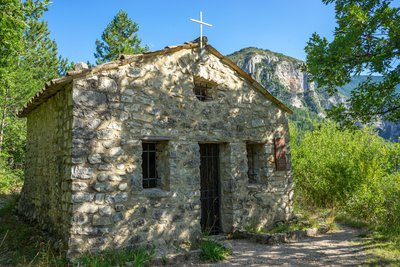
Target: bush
378,203
352,171
213,251
330,165
10,180
139,257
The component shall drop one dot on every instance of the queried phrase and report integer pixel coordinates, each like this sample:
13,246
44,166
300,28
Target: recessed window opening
280,154
149,165
255,162
202,90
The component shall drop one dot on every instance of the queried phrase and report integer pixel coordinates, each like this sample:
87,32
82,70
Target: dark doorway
209,173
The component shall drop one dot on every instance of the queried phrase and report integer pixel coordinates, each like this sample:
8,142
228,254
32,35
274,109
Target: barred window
251,157
149,165
202,90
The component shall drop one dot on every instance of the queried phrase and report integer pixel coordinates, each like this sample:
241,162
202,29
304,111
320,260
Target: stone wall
46,195
153,100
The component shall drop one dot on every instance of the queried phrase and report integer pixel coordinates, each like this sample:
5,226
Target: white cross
201,22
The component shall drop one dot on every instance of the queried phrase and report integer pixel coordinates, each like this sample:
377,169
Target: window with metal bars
251,163
149,165
202,91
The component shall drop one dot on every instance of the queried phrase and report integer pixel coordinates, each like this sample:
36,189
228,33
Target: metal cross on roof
201,22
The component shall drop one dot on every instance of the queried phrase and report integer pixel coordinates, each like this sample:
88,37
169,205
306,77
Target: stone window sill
156,193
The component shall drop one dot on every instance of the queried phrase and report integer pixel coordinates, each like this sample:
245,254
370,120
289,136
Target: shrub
213,251
330,165
353,171
10,180
139,257
378,203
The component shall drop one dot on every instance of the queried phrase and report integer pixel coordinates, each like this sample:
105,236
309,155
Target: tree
366,41
12,25
32,60
119,37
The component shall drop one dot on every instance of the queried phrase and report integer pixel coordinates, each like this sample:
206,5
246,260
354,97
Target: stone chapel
155,148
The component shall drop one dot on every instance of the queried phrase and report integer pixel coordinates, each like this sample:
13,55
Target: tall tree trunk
3,118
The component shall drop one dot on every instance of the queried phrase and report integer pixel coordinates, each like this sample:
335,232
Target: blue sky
279,25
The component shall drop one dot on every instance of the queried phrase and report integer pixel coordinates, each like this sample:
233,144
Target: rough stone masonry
84,176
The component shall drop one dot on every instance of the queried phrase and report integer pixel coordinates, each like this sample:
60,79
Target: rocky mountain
284,77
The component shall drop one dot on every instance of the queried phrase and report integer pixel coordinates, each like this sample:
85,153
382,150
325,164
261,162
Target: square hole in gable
204,90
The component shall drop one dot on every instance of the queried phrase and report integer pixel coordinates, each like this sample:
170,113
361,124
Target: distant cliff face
284,78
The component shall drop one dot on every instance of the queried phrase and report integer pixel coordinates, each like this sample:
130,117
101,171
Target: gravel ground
337,248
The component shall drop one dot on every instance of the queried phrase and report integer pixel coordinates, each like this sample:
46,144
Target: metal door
210,199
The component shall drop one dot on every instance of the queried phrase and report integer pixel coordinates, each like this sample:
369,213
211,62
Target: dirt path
338,248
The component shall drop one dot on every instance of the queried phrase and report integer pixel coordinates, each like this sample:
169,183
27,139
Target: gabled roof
55,85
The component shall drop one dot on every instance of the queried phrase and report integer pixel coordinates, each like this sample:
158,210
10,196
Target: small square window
202,90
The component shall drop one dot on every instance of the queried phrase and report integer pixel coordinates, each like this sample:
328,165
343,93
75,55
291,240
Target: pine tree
33,59
119,37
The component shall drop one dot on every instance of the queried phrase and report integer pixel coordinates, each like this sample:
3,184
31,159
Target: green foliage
355,172
365,40
139,257
385,251
28,58
12,25
119,37
212,251
330,165
378,203
350,221
11,179
304,120
286,227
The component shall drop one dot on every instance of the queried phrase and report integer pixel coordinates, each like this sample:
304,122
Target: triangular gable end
250,79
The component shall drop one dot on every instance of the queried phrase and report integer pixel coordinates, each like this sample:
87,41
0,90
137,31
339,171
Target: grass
351,222
23,244
383,245
286,227
384,252
212,251
139,257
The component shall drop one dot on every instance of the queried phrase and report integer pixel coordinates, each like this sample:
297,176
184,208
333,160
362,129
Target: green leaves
330,165
366,40
28,58
12,25
119,37
354,172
